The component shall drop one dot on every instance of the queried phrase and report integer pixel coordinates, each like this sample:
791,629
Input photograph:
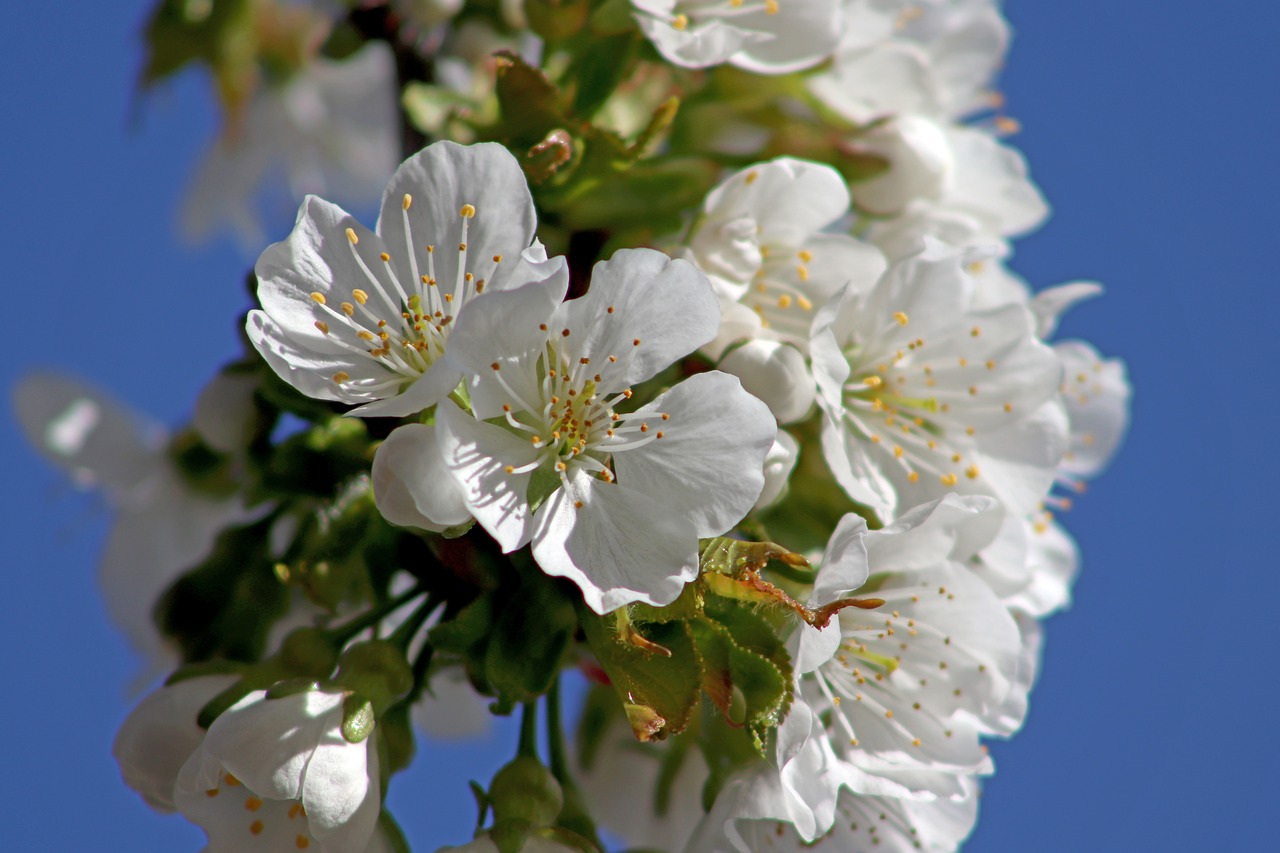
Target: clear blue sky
1150,127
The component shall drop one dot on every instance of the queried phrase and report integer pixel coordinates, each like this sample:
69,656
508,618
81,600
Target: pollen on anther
872,381
901,317
348,308
467,211
971,472
360,296
949,479
351,235
913,477
341,376
317,297
510,469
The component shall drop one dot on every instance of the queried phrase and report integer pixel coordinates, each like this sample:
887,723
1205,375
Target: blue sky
1151,134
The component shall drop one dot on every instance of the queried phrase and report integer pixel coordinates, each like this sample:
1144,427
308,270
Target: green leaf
530,104
747,688
659,692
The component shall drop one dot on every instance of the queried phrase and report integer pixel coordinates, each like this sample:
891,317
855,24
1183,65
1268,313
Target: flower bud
920,164
525,791
775,373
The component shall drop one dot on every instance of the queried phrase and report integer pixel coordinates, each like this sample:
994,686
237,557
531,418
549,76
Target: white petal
775,374
1050,304
440,179
340,791
709,464
645,309
477,455
160,734
97,439
412,485
620,546
778,465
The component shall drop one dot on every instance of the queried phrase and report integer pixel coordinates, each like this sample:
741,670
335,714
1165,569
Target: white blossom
365,316
613,500
161,733
870,825
906,688
162,526
1096,393
762,241
278,774
329,128
763,36
924,395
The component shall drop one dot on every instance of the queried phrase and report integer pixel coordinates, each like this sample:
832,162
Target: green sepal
358,719
204,668
510,835
529,638
392,834
376,669
291,687
395,728
482,802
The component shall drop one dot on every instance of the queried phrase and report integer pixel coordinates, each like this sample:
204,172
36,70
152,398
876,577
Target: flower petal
644,308
411,484
709,463
477,454
439,180
619,545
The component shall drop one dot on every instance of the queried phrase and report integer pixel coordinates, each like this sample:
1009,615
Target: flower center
573,420
239,815
403,327
901,401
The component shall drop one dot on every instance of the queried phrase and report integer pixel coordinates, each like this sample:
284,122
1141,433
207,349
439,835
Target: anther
901,317
467,211
497,259
872,381
317,297
949,479
351,235
408,201
256,828
359,296
680,22
322,326
385,257
341,376
253,804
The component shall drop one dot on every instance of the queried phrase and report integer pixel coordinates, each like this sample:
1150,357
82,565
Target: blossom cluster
731,403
